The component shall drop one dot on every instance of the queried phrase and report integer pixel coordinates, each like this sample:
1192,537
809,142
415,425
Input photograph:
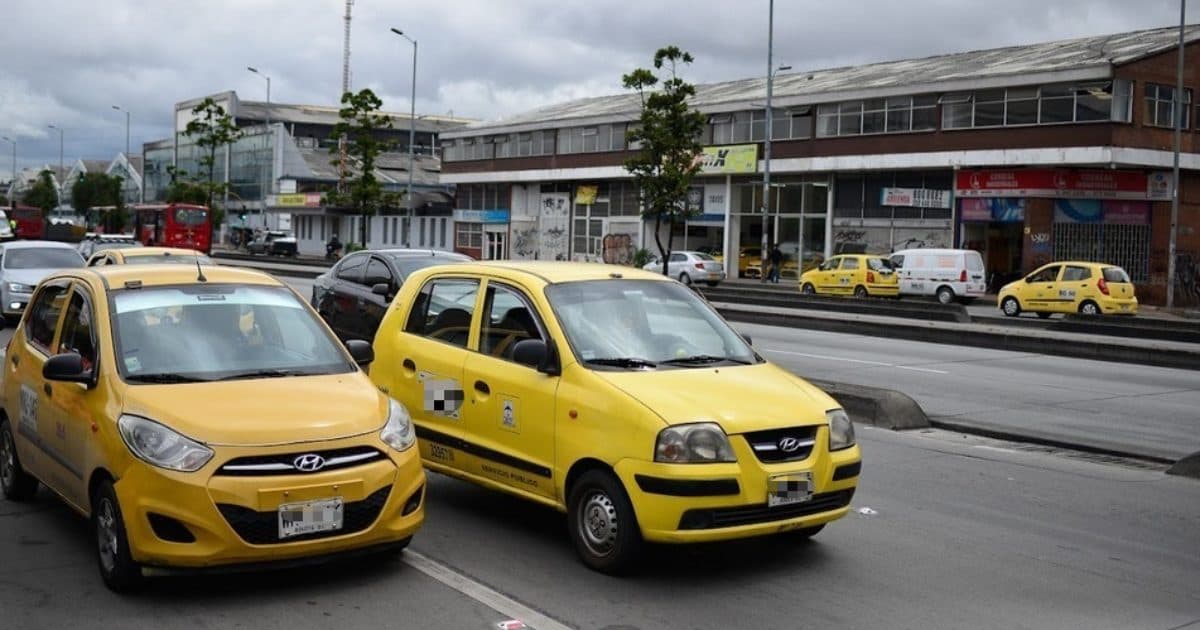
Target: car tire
16,484
686,279
861,292
1010,306
1089,308
945,295
117,568
602,523
808,289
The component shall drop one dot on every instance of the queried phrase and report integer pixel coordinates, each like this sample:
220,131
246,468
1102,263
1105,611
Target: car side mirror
361,351
67,368
1029,279
383,289
536,354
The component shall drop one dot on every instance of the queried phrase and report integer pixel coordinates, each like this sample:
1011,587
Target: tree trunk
664,253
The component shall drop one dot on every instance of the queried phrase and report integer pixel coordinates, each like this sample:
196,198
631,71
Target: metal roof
1068,60
324,115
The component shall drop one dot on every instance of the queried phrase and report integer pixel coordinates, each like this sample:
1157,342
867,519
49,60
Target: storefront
482,234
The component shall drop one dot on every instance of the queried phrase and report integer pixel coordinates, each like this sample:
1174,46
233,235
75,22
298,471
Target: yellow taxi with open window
202,418
860,275
1087,288
617,396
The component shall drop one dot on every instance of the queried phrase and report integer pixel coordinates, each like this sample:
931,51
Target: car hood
264,411
30,277
739,398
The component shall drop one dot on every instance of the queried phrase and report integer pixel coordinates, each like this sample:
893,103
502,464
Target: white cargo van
948,274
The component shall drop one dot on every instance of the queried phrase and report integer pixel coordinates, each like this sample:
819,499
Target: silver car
23,264
689,267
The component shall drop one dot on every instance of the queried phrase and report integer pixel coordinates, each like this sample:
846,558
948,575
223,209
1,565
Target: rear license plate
789,489
1124,307
310,517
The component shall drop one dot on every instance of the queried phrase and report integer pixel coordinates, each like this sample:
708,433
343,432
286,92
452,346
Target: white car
689,267
947,274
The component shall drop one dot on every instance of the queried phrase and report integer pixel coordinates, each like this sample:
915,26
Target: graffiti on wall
525,242
618,249
552,226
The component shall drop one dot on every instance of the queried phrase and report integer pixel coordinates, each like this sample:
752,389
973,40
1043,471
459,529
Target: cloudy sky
67,62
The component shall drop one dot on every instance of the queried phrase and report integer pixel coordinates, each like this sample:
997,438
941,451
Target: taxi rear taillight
870,277
699,265
1103,286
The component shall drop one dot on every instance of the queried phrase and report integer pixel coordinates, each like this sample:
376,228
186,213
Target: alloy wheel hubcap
1010,307
106,535
598,524
1089,309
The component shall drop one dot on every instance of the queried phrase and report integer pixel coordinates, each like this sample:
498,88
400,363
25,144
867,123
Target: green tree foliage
668,131
43,194
95,190
360,124
211,129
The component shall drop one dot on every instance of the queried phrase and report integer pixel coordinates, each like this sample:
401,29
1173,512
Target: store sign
738,158
915,197
999,210
481,216
1113,212
298,200
1062,183
586,195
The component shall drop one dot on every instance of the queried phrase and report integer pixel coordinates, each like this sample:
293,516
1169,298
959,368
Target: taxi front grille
754,514
262,528
782,445
286,463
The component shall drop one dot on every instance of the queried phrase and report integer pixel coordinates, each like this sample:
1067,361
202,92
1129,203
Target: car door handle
482,387
16,360
46,388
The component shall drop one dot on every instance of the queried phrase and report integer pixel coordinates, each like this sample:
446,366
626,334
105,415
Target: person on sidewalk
776,258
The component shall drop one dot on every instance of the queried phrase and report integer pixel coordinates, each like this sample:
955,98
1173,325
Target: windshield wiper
704,358
164,377
266,373
630,362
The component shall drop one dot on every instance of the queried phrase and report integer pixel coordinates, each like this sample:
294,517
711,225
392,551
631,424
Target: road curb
886,408
1012,436
1187,467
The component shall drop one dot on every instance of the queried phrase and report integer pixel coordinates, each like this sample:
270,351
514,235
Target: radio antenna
199,271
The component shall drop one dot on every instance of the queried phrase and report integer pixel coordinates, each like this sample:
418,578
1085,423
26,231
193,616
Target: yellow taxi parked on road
860,275
1070,287
198,442
617,396
148,256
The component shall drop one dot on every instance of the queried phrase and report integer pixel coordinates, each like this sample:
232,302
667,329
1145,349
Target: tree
183,190
94,190
668,131
43,194
210,129
361,124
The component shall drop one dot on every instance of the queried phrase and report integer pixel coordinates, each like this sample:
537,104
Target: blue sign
481,216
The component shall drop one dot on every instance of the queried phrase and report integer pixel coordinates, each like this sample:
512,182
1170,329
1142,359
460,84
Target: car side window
849,264
897,262
77,333
96,260
42,319
378,273
1049,274
508,318
677,257
443,311
1076,274
351,269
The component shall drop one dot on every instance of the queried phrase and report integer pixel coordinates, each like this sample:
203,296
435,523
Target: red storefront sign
1060,183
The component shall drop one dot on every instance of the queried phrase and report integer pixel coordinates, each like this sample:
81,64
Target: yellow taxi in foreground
148,256
617,396
860,275
1070,287
139,396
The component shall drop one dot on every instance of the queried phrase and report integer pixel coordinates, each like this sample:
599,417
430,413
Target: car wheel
602,523
1089,308
16,484
808,289
686,279
1011,306
861,292
945,295
117,568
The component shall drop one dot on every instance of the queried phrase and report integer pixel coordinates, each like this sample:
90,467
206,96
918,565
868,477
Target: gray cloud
66,62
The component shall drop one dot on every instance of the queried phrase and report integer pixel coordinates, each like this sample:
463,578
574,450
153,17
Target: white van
948,274
6,232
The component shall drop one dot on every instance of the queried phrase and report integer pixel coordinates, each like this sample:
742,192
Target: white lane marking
481,593
860,361
994,448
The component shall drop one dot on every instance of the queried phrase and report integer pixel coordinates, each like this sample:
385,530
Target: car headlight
398,433
17,287
841,430
700,443
157,445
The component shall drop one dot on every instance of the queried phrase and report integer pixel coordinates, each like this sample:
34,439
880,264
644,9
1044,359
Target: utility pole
12,185
60,179
412,128
1180,116
128,165
763,253
345,88
266,183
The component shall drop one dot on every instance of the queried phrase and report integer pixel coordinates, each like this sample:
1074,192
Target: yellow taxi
860,275
1070,287
617,396
148,256
750,262
196,444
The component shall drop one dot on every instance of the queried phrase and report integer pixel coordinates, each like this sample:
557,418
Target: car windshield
643,323
213,332
408,264
42,258
168,259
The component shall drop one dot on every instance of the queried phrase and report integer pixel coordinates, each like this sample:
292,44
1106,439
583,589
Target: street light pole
266,186
762,252
412,128
61,174
1178,110
128,165
11,190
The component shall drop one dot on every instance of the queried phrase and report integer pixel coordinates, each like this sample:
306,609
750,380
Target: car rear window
879,264
974,261
704,257
1115,274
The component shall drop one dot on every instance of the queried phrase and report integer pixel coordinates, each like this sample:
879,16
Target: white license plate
1124,307
789,489
310,517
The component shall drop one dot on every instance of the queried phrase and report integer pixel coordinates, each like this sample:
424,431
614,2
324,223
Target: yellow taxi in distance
148,256
139,396
860,275
1070,287
617,396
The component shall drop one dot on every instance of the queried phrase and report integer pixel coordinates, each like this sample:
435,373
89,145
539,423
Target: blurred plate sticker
310,517
788,489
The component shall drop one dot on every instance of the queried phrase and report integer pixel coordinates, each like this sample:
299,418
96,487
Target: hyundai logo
789,444
309,463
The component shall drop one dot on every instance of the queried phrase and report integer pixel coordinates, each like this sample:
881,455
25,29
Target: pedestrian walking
776,263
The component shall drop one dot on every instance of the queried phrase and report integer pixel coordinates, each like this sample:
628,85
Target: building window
901,114
469,236
1160,105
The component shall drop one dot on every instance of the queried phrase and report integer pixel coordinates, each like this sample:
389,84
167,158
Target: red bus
30,223
173,225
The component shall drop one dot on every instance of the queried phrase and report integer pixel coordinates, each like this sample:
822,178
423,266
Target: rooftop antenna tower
345,88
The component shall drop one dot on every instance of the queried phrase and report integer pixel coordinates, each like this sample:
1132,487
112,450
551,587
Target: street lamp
13,183
412,126
1180,116
771,71
128,166
61,174
265,184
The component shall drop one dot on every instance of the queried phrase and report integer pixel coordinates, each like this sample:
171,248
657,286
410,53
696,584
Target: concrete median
1187,467
884,408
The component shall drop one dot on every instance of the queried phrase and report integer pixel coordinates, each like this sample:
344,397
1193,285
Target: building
1030,153
283,162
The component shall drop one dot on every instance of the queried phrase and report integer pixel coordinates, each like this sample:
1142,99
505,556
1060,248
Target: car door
509,413
676,264
846,275
372,306
1041,288
432,352
339,305
35,430
1076,285
824,279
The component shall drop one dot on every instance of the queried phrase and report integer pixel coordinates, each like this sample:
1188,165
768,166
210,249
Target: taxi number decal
845,280
437,451
443,397
508,416
29,409
1066,294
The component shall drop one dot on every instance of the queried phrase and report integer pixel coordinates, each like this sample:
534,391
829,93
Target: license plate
1124,307
789,489
310,517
